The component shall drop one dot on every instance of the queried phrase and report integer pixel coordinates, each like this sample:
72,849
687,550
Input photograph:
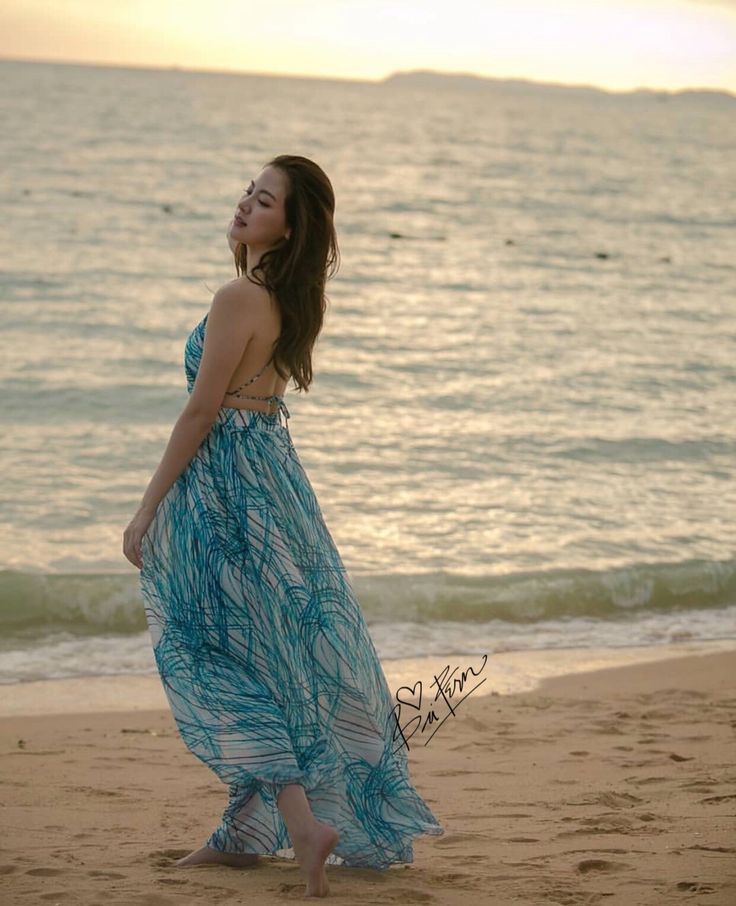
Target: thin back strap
255,377
276,400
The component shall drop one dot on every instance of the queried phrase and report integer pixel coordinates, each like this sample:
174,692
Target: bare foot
311,850
206,855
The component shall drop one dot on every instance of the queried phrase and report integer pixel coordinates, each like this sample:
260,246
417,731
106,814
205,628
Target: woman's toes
313,851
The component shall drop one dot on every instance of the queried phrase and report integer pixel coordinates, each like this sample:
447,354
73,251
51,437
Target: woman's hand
133,535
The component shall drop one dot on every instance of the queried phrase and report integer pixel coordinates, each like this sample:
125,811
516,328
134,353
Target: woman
262,648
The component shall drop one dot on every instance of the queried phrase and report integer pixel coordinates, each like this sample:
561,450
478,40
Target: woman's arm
189,432
230,325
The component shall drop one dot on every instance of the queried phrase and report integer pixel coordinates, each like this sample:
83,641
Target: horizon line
175,67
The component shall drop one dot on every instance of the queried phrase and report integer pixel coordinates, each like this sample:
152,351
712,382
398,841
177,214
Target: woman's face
262,211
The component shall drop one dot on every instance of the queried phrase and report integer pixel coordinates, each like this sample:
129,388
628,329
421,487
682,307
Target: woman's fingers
132,549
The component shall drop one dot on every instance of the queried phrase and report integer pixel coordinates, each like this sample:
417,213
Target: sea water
522,428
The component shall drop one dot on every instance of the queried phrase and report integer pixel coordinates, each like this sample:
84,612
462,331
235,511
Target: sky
619,46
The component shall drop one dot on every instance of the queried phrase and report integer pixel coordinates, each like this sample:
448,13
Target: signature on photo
448,686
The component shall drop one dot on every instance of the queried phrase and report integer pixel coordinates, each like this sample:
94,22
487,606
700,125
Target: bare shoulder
242,301
243,291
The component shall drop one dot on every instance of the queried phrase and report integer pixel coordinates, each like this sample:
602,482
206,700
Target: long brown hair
296,271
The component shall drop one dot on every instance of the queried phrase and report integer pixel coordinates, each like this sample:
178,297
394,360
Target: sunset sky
666,44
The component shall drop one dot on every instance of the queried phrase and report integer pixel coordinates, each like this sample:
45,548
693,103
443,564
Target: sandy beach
615,786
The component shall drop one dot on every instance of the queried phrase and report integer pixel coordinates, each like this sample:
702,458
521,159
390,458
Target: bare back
255,374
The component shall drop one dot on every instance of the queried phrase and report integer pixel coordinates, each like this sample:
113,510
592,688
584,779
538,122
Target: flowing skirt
265,656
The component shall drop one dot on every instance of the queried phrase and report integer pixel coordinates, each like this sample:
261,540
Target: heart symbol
413,691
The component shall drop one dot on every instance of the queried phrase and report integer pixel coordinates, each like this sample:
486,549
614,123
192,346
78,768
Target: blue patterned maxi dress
264,653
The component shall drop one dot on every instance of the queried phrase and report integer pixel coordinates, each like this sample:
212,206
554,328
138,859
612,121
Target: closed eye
247,192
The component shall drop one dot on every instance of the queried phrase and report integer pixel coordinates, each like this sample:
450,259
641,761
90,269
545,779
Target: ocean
522,428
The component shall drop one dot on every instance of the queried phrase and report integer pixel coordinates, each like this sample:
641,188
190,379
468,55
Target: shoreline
504,673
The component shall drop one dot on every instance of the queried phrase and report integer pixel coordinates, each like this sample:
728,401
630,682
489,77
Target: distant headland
427,78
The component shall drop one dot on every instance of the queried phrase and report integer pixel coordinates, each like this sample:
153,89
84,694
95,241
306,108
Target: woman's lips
239,221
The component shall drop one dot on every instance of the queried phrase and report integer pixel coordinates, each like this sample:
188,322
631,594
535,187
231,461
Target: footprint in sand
165,858
609,824
564,896
657,715
713,849
45,872
617,800
607,728
451,839
694,887
93,791
456,879
604,865
609,799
